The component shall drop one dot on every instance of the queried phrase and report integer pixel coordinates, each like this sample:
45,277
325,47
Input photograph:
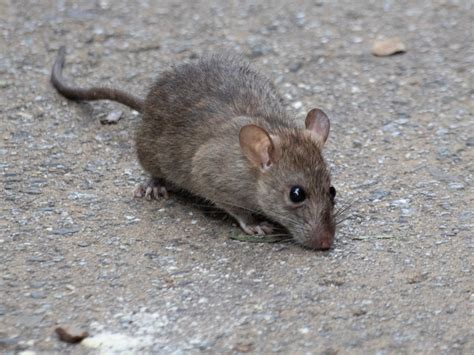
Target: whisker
284,218
342,220
343,209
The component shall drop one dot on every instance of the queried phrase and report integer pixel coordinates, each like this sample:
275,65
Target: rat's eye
297,194
332,192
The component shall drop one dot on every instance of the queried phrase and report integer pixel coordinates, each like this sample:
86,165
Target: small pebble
400,203
32,191
294,67
37,284
27,352
5,342
4,84
456,186
297,105
112,118
378,195
304,330
38,294
65,231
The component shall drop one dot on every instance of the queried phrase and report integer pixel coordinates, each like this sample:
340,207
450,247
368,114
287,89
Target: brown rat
217,129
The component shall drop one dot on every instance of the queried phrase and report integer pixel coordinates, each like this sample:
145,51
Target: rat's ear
318,123
257,146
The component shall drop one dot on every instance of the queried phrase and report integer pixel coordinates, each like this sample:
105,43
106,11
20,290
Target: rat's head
293,183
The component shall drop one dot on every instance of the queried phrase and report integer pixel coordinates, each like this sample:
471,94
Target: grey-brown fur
195,106
189,137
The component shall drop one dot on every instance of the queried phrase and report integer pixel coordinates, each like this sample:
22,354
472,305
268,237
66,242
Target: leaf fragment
371,237
387,47
271,238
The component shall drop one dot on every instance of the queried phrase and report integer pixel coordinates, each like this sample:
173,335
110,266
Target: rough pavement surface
76,249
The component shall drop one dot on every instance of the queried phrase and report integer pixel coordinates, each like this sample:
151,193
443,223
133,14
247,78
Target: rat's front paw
248,223
261,228
153,189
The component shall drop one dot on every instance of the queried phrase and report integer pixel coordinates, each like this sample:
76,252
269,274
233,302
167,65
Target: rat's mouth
319,244
319,239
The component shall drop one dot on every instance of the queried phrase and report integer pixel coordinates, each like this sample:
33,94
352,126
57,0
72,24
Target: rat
218,129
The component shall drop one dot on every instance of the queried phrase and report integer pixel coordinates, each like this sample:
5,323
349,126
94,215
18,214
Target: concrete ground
76,249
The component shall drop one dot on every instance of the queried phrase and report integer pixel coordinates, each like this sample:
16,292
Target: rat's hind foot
153,189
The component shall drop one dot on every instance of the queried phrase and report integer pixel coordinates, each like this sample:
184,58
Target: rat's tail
93,93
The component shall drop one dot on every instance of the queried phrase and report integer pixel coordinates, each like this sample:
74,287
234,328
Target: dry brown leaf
243,347
389,46
68,336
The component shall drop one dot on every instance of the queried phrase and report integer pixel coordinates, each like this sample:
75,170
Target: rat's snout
321,239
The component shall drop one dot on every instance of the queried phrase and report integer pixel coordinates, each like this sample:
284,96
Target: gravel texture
76,249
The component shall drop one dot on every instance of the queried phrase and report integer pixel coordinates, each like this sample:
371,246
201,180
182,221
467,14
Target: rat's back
214,90
194,103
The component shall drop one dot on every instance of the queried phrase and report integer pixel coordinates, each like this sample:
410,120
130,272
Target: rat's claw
247,229
266,227
139,191
149,193
164,192
151,190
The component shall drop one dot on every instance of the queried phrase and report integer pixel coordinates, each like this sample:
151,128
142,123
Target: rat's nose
321,240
